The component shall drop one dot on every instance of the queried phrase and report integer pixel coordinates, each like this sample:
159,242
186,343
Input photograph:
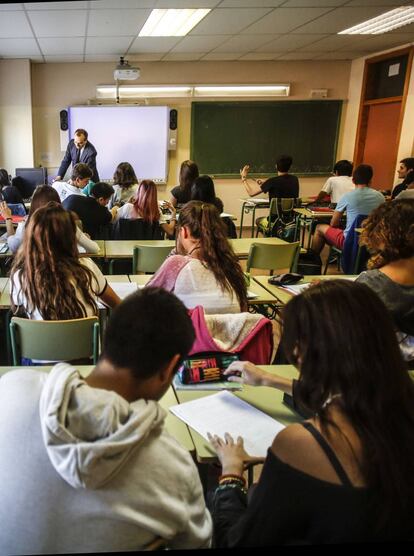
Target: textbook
225,412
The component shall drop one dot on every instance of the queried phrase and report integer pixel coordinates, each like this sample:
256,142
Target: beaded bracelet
232,485
232,477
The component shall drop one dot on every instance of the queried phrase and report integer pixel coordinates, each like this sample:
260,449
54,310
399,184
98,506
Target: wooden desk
283,295
99,255
119,249
173,425
268,400
251,205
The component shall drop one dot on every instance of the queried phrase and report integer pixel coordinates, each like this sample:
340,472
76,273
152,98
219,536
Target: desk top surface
283,295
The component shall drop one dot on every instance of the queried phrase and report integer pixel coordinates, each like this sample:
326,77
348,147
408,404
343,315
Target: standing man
79,150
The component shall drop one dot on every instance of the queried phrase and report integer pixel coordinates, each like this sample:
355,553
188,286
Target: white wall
16,129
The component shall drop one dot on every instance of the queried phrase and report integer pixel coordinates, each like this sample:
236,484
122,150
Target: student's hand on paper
4,210
232,454
244,171
245,373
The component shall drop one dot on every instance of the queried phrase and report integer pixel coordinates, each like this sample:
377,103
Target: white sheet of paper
251,295
225,412
122,289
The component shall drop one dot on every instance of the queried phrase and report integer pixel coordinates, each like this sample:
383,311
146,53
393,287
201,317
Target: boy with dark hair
406,173
337,185
92,210
81,174
104,475
283,186
362,200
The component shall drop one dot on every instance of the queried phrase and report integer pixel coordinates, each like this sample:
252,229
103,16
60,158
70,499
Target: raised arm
254,188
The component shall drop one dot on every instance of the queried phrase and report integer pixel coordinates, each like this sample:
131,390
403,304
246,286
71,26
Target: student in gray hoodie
85,464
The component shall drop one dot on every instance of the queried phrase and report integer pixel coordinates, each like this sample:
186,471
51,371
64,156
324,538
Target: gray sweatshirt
82,470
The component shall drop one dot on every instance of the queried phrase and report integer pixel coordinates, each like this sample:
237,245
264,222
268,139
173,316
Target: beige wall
406,145
16,132
56,86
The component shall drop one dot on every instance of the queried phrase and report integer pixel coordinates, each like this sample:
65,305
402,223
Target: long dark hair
328,337
124,175
50,272
43,194
205,225
4,178
188,174
203,190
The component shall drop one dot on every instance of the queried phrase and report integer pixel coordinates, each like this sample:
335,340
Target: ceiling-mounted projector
125,72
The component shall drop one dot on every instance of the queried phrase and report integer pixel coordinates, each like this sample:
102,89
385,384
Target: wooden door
381,142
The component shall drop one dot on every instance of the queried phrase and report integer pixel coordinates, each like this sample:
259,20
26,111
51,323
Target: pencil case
205,367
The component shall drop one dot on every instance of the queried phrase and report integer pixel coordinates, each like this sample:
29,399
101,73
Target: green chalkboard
226,135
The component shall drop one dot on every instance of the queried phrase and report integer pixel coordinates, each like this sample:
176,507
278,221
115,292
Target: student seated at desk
338,184
125,185
181,194
388,234
145,207
9,193
284,185
43,194
362,200
48,280
86,464
81,174
345,474
92,210
406,173
205,271
203,190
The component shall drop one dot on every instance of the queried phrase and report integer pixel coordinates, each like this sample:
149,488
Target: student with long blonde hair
144,205
48,279
205,271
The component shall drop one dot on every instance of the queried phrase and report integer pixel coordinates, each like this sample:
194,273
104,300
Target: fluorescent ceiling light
383,23
172,23
133,91
242,90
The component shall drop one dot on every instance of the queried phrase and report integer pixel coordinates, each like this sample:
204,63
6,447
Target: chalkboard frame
273,102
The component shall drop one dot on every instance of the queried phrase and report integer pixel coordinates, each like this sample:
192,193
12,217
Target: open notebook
122,289
296,289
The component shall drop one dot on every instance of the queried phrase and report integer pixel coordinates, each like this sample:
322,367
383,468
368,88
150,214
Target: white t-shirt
65,189
98,286
127,211
197,285
337,186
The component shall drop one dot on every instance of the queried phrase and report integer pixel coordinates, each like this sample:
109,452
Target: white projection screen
134,134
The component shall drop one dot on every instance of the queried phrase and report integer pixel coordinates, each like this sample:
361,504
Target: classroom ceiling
103,30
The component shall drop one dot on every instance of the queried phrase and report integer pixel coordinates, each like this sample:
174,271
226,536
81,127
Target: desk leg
253,220
241,219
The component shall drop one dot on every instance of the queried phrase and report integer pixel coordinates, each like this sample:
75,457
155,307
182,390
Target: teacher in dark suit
79,150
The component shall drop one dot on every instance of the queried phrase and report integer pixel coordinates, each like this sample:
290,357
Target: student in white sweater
81,174
42,195
87,465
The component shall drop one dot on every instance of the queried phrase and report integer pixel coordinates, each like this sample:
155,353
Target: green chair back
59,340
149,258
271,257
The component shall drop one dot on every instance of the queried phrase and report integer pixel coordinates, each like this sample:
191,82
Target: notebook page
225,412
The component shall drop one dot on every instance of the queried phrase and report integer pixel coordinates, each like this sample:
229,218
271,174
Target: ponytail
205,224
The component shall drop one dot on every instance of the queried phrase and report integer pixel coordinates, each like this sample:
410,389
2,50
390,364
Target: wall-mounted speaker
64,123
172,133
64,129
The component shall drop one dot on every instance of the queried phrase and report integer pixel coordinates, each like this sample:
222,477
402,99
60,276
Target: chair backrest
149,258
127,229
270,257
59,340
354,257
282,209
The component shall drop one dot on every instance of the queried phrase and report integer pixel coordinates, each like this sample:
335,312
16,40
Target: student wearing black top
181,194
345,474
203,190
92,211
406,173
282,186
